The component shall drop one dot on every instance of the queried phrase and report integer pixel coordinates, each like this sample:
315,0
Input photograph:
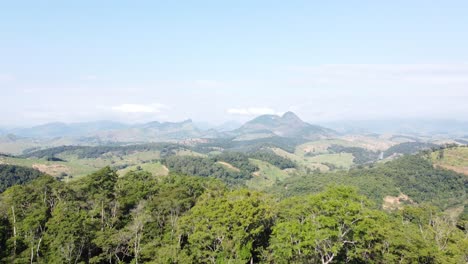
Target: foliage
274,159
209,167
230,228
415,176
139,218
230,144
409,148
339,226
88,152
237,159
336,225
361,155
11,175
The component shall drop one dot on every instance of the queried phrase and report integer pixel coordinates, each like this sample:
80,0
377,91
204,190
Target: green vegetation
267,175
235,167
276,160
155,168
303,162
85,152
239,160
339,226
453,158
333,161
361,155
321,146
230,144
409,148
210,167
139,218
414,176
75,162
12,175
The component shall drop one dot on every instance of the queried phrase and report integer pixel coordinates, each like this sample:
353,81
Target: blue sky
136,61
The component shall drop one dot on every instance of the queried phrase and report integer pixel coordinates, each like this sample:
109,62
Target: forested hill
412,175
138,218
12,175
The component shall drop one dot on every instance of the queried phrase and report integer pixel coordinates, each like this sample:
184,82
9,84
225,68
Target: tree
99,188
68,233
11,175
421,234
28,210
231,228
176,195
335,225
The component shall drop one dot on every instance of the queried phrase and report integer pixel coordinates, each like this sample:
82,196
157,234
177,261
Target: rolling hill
455,158
58,129
288,125
153,131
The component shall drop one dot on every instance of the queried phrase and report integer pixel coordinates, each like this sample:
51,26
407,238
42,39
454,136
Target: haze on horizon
214,62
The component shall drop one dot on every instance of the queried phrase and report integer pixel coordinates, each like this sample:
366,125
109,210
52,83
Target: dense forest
413,175
88,152
333,217
272,158
240,171
361,155
230,144
409,148
12,175
138,218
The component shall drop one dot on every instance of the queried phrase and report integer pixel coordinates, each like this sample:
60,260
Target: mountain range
420,127
288,125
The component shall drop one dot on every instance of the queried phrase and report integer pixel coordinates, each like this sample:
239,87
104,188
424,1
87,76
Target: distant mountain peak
287,125
291,116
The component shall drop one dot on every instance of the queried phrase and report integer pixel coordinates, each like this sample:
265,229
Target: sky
214,61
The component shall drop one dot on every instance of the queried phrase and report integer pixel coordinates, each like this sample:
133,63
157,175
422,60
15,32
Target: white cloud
253,111
138,108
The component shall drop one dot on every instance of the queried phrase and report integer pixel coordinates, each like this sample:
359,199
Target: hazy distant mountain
408,126
224,127
288,125
266,126
57,129
153,131
228,126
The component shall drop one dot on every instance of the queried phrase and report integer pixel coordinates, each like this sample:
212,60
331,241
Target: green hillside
414,176
139,218
454,158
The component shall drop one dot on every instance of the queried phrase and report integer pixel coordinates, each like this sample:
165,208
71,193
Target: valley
234,132
270,156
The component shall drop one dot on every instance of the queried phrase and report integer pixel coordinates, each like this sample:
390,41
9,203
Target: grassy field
155,168
340,160
373,143
267,175
52,168
187,152
320,156
455,159
303,162
76,167
321,146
